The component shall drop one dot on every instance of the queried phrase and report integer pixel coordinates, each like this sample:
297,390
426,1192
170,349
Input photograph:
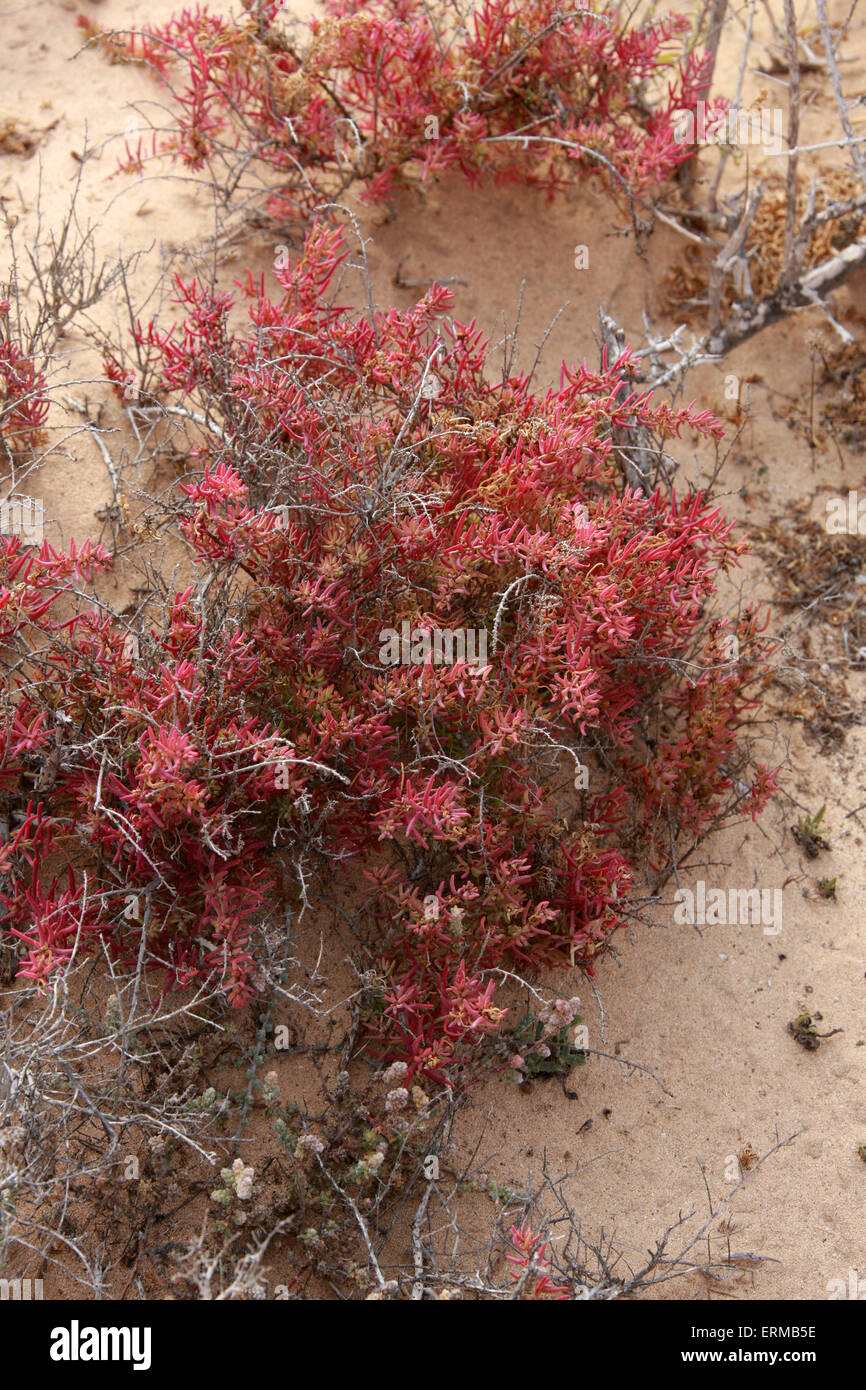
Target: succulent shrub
382,92
355,476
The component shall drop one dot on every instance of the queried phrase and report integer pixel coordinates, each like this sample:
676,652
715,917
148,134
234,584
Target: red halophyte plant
290,719
532,1265
23,394
530,92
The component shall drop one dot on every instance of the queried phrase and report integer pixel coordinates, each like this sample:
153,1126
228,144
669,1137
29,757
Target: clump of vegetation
544,1041
807,833
399,90
251,738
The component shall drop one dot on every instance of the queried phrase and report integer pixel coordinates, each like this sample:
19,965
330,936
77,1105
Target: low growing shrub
385,91
246,744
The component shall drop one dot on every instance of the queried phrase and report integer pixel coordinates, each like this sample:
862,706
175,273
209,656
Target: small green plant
237,1184
806,833
542,1052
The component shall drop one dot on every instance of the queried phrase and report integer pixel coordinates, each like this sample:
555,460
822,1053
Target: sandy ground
705,1010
